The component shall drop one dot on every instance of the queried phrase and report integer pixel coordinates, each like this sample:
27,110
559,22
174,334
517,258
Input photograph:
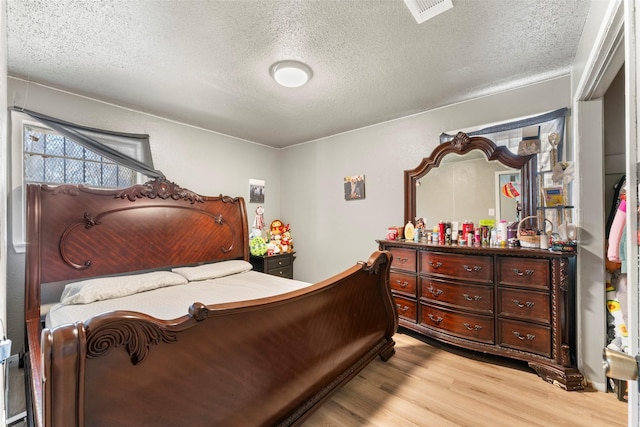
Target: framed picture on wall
256,191
354,187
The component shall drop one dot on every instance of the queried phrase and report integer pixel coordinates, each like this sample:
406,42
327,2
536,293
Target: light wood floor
438,386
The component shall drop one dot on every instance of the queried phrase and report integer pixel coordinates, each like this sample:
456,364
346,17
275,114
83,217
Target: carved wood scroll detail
199,311
564,278
68,189
375,262
460,141
160,188
88,221
136,335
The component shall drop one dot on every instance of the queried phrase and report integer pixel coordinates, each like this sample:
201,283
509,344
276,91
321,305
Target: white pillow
99,289
214,270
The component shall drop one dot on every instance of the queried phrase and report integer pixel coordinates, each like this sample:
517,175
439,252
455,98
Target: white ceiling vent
423,10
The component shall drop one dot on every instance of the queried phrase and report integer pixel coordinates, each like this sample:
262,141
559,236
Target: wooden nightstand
278,265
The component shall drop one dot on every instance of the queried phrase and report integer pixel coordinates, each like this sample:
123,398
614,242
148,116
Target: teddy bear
287,241
275,236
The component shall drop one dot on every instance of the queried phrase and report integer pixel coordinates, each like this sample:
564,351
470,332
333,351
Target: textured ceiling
206,63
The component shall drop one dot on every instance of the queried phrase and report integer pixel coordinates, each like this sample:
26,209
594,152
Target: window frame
18,195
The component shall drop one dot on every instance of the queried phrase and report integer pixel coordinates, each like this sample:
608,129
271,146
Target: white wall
205,162
332,234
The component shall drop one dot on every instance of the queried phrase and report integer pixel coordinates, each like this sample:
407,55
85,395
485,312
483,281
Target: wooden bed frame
270,361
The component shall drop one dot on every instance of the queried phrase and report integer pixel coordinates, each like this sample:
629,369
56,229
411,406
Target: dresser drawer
525,336
403,259
406,308
465,267
474,297
525,305
465,325
403,283
524,272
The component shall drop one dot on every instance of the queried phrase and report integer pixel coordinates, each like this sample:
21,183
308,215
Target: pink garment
615,234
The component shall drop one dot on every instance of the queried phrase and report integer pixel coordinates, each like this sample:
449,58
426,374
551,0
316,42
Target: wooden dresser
277,265
516,303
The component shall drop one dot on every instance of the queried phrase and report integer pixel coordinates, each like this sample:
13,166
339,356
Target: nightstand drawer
277,263
286,272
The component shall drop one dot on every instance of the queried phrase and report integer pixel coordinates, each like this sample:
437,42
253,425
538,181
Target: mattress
174,301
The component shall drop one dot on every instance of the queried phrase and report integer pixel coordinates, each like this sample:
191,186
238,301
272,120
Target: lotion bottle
502,232
409,231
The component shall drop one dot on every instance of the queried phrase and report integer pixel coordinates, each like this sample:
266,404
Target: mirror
508,196
459,182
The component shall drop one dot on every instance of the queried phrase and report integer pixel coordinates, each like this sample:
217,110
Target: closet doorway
606,149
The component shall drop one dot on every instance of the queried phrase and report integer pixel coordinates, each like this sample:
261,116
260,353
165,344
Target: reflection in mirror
508,198
463,187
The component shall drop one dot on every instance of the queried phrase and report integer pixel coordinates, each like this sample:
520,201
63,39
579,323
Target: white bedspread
174,301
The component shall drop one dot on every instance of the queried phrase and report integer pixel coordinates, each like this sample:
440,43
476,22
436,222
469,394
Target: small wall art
256,191
354,187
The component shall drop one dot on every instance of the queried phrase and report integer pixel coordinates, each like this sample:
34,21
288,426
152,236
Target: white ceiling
206,63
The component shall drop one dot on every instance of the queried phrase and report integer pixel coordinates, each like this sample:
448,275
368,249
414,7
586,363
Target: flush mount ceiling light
291,73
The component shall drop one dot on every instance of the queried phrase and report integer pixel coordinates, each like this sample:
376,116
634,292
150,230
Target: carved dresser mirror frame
462,144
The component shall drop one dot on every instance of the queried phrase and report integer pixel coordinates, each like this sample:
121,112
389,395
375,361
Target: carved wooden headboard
75,232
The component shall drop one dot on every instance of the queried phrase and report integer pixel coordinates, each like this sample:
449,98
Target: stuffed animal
257,246
280,237
287,241
276,228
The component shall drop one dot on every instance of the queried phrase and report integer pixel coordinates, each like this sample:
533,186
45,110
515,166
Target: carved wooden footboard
270,362
263,362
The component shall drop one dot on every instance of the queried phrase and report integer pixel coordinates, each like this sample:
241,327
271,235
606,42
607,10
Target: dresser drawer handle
279,262
474,298
402,284
528,304
475,328
522,273
435,265
402,260
402,308
529,337
474,268
435,292
435,319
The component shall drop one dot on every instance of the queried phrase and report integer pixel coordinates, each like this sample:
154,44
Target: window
535,130
54,159
42,155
